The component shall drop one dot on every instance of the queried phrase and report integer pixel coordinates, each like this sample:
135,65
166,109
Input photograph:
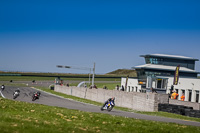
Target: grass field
163,114
22,117
110,86
30,78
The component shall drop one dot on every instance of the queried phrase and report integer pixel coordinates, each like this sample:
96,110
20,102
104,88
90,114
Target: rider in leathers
109,100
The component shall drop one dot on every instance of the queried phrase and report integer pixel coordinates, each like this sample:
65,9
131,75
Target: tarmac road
53,100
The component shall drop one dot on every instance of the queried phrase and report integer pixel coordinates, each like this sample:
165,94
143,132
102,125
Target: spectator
105,87
172,88
33,81
85,86
91,87
151,90
61,82
183,97
122,88
169,95
95,86
117,87
174,95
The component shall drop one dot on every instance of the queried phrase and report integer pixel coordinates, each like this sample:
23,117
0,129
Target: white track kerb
2,94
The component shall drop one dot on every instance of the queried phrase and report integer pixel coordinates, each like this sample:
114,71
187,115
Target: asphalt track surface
53,100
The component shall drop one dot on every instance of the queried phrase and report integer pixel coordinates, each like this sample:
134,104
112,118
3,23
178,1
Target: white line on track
2,94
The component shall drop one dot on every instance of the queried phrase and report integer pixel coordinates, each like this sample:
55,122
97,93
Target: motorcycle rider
17,91
109,100
37,92
36,95
2,87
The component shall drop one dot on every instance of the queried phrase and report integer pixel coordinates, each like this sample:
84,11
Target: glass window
172,62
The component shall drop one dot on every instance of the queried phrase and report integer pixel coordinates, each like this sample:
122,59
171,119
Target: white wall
183,84
132,83
186,84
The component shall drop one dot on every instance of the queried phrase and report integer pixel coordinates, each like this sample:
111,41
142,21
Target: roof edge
169,56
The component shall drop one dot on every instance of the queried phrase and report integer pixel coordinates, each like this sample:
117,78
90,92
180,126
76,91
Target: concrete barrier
133,100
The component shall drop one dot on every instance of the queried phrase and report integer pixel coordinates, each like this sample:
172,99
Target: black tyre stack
179,109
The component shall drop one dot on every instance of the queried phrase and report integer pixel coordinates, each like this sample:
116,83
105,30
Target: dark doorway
190,96
197,96
159,83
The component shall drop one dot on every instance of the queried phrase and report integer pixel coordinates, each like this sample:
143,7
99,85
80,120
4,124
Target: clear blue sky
38,35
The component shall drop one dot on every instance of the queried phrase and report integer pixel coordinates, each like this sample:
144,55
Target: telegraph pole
81,68
93,75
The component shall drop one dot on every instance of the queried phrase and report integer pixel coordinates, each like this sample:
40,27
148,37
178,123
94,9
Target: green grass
30,78
110,86
22,117
163,114
15,84
99,85
124,72
170,115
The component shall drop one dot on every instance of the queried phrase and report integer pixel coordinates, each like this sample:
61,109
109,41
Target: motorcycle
35,96
15,94
109,106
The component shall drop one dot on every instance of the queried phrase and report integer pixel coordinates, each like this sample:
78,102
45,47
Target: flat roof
169,56
164,67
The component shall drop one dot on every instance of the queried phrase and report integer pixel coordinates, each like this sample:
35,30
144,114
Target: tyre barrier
179,109
51,87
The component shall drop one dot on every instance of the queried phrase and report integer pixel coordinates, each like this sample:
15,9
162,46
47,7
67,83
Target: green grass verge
22,117
24,78
163,114
110,86
170,115
15,84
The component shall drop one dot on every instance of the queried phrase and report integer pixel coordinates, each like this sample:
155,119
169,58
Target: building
158,74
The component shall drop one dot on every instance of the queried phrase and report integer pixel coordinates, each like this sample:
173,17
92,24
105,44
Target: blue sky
38,35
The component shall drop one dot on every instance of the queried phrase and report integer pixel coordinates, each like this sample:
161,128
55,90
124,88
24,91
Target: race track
53,100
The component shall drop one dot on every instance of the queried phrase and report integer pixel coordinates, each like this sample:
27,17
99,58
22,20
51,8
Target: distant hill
123,72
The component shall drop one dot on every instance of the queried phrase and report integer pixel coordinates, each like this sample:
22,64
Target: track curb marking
2,94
